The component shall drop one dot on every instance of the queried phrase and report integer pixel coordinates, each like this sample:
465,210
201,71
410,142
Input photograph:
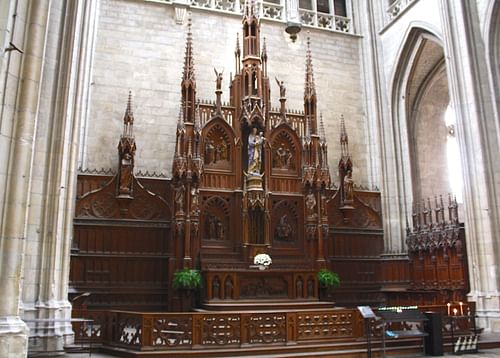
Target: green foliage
187,279
328,279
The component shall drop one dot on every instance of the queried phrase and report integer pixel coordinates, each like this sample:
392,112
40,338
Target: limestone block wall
139,47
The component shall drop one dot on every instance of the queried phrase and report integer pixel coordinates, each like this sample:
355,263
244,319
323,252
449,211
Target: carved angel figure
218,81
281,84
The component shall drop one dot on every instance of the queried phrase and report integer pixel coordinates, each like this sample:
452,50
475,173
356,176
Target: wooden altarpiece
246,180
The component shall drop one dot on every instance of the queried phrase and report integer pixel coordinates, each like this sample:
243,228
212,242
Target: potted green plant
327,280
187,281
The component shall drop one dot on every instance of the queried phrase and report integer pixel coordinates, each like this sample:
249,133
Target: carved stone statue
126,174
310,205
348,188
282,88
255,142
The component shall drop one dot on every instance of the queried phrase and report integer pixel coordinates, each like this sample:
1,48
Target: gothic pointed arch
215,215
419,98
218,143
285,150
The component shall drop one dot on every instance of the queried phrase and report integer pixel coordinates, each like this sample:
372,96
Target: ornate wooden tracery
245,180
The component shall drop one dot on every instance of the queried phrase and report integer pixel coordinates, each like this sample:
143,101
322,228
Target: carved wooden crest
364,214
104,204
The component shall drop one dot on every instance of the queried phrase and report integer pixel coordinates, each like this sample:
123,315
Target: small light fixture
293,28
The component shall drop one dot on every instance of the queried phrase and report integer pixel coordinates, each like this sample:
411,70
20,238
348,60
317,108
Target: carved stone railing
200,330
397,7
325,21
269,10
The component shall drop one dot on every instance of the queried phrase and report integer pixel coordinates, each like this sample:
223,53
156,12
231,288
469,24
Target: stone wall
140,47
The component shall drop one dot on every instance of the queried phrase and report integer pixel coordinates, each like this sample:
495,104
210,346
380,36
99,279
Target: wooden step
338,349
275,305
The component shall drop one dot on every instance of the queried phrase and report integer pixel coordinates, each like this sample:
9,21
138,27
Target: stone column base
487,310
13,337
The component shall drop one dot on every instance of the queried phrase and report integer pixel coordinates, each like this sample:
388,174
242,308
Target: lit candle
461,308
449,305
455,311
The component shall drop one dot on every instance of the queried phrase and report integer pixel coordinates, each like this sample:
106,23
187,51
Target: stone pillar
13,332
382,134
50,216
479,148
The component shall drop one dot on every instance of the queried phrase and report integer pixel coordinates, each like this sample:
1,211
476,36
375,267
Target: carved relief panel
217,148
285,157
215,219
285,219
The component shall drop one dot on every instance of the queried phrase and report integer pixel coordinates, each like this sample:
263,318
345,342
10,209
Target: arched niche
218,145
215,217
420,98
285,151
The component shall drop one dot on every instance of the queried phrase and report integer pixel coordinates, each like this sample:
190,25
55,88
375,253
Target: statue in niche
299,288
323,205
280,157
222,149
255,142
215,228
216,288
348,187
218,81
126,174
310,205
282,88
219,230
284,229
228,288
288,159
195,206
212,225
179,197
209,152
310,288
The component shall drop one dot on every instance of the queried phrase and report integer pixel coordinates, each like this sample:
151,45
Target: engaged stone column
13,332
